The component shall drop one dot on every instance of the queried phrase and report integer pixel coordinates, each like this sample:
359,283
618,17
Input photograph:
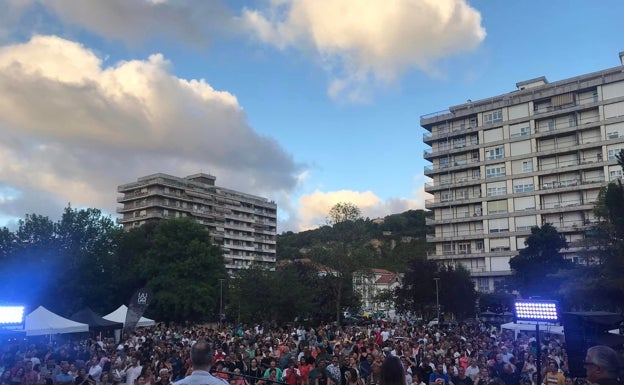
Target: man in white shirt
133,371
95,370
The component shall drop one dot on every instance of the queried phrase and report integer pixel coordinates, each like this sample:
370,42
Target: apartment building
244,225
499,166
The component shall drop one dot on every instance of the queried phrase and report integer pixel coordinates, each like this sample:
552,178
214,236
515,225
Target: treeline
85,259
389,244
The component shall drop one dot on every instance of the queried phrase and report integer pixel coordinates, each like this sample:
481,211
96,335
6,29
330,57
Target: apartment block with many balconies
502,165
244,225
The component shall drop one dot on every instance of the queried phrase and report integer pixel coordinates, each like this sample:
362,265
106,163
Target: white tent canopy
42,321
518,327
119,315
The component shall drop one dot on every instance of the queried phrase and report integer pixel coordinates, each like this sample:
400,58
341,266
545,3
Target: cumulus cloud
134,21
366,42
314,207
74,129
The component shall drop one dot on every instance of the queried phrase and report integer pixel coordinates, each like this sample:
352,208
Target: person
64,377
553,377
602,365
132,372
95,370
439,377
201,359
163,375
291,375
472,370
461,378
253,371
529,366
392,372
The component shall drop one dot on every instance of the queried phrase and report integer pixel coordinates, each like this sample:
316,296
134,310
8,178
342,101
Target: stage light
11,315
536,311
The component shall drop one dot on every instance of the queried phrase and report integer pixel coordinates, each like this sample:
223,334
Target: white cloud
134,21
314,208
73,129
369,42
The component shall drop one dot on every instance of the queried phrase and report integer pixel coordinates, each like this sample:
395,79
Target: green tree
457,292
183,269
61,265
344,211
534,267
417,294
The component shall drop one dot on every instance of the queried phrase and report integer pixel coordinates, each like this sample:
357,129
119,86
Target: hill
391,242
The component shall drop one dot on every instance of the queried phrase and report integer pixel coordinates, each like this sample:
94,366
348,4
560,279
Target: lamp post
221,301
537,311
437,299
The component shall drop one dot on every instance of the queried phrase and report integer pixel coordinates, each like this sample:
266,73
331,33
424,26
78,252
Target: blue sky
307,102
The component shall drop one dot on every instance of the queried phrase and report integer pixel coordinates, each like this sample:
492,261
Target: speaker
583,330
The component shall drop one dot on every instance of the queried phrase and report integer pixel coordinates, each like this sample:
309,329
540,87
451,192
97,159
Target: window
447,248
613,135
463,248
499,225
461,160
495,153
527,166
443,146
612,153
615,174
474,156
496,189
476,174
524,188
446,196
459,142
495,171
474,139
521,129
444,162
497,207
493,117
462,194
479,245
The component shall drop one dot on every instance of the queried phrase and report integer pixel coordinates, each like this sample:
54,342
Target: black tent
95,322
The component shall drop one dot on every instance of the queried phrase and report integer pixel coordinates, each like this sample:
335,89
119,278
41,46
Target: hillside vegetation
388,244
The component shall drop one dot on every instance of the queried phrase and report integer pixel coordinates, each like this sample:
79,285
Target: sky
305,102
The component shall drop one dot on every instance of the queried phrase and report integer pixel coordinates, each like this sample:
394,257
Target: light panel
11,315
536,311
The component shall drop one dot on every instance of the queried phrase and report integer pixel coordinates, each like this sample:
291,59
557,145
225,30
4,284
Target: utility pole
221,302
438,299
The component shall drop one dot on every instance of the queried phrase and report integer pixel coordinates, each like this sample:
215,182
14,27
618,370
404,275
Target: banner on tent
138,303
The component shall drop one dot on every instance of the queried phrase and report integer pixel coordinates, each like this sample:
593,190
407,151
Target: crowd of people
373,354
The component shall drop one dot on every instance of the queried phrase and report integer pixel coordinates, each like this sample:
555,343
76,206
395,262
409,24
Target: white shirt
132,373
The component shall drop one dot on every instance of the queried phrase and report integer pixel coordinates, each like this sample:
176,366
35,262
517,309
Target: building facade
502,165
369,284
243,225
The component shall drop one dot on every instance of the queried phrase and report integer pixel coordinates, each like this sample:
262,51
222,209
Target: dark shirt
465,381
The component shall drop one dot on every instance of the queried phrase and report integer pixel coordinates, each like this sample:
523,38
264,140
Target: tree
344,211
533,268
61,265
456,291
183,269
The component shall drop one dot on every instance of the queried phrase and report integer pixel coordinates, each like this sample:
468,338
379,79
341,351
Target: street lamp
536,311
221,301
437,299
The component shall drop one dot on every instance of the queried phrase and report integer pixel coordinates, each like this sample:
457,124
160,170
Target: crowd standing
294,355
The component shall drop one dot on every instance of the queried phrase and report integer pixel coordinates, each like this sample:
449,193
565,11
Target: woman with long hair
392,372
